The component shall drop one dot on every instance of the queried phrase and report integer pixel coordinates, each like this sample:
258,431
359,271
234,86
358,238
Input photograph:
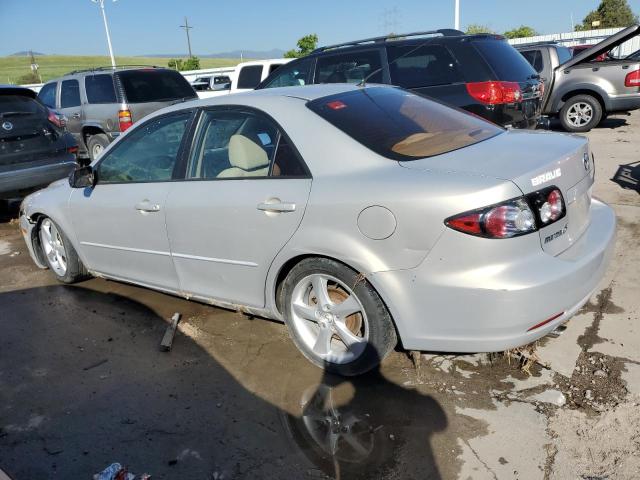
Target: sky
139,27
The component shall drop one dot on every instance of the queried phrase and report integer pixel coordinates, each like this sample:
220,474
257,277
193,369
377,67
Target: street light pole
106,29
457,15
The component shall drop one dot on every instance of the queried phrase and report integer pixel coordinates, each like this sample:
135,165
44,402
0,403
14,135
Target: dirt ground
84,384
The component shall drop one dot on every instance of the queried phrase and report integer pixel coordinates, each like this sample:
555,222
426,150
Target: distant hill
253,54
25,53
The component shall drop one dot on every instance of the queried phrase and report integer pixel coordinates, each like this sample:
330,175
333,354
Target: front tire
335,317
580,113
59,253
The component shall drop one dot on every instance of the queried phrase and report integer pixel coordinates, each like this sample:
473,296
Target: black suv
101,103
35,150
479,73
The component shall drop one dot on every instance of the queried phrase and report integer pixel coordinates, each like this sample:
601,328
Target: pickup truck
246,76
581,91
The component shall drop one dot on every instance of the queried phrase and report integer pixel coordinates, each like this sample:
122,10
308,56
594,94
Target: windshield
154,85
11,105
401,125
505,60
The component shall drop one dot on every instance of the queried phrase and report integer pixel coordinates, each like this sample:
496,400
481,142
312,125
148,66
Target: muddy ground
83,383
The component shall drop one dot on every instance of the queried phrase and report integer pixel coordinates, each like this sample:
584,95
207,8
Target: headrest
246,154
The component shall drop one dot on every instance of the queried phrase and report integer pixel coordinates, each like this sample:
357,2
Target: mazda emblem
8,126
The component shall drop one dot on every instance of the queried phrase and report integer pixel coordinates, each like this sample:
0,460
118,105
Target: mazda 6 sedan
362,217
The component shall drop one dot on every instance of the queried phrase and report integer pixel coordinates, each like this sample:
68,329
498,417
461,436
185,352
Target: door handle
75,115
147,207
278,207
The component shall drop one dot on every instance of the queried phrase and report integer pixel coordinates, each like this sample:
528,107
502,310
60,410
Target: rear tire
96,145
59,253
344,327
580,113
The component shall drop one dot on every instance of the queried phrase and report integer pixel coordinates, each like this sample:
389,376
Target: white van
246,76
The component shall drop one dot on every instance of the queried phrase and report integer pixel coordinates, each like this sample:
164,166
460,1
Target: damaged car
362,216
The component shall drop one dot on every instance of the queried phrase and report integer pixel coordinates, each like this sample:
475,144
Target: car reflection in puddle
366,427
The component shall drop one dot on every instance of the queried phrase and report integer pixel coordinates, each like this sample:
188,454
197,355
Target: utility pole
106,29
186,29
457,15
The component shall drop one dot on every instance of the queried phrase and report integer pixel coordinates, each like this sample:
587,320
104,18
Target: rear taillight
125,120
57,120
495,93
512,218
632,79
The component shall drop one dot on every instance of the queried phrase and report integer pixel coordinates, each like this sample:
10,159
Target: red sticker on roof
336,105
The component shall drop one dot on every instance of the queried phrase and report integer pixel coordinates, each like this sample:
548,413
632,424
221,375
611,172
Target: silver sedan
360,216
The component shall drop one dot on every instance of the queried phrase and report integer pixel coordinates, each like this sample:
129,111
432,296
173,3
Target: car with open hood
582,90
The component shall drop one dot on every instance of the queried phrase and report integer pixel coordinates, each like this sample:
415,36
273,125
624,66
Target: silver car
360,216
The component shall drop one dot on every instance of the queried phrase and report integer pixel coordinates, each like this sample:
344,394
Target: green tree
610,14
474,28
521,32
306,45
191,63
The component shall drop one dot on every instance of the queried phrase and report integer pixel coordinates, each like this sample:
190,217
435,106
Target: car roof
17,90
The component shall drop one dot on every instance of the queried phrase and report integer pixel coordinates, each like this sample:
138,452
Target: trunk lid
533,161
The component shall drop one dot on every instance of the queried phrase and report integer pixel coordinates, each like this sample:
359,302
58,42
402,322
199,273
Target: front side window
100,88
400,125
425,66
352,67
250,76
147,154
291,75
69,94
235,144
47,95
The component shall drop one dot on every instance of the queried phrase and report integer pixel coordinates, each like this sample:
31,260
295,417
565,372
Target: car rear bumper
457,301
32,177
624,103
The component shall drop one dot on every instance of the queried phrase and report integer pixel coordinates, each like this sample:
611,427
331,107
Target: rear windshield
152,85
507,63
401,125
14,105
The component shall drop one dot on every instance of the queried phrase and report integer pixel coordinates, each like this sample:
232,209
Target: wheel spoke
305,311
356,445
348,307
323,342
348,337
320,290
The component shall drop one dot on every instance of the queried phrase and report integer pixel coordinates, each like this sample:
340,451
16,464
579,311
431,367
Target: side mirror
82,177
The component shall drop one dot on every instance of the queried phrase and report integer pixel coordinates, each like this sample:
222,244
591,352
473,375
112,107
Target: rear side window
154,85
47,95
352,67
291,75
69,94
250,76
11,105
506,62
400,125
425,66
564,54
534,57
100,89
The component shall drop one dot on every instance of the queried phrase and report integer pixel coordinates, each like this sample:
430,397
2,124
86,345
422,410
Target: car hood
604,46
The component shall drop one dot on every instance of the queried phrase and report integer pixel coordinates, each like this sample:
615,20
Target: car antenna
363,82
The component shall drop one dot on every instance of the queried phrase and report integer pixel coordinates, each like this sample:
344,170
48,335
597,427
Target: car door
244,197
120,222
71,107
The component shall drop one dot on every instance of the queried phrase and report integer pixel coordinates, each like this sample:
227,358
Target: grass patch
53,66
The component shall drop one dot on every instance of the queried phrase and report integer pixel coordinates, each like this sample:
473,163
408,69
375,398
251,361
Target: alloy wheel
580,114
329,319
53,247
